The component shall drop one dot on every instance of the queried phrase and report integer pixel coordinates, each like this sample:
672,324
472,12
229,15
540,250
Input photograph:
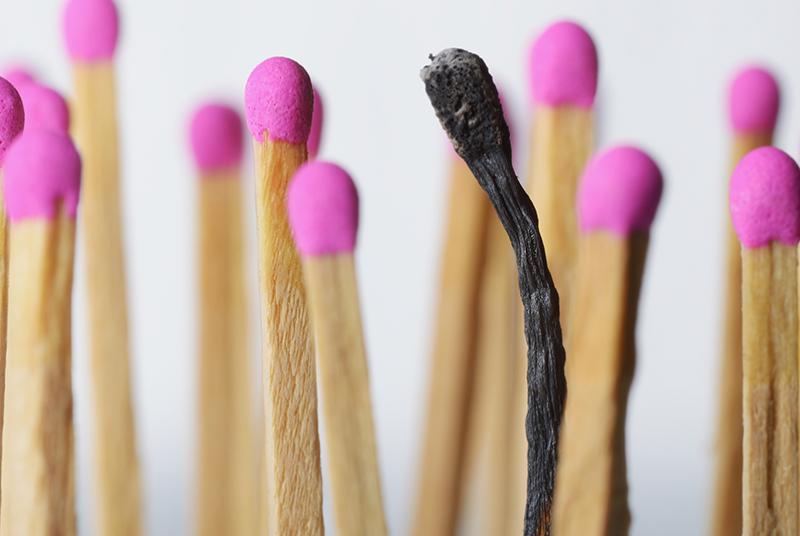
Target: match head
563,66
322,203
18,76
216,137
12,116
466,102
315,136
42,173
619,192
279,101
44,107
91,29
753,101
765,198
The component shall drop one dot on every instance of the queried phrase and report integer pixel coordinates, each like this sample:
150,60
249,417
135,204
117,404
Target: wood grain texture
346,401
294,482
770,394
727,508
227,461
38,478
591,484
116,466
452,359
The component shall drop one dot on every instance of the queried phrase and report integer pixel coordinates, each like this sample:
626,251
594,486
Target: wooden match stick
317,118
765,210
563,67
90,30
753,102
617,201
323,212
227,458
41,185
278,101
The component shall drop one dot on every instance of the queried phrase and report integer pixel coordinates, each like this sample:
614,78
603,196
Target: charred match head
466,102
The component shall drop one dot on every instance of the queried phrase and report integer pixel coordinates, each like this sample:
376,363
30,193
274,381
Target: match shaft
3,312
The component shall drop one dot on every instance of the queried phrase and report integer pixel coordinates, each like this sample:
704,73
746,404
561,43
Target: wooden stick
323,212
452,359
727,509
91,36
294,482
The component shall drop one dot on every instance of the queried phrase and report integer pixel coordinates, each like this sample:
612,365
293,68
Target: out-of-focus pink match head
18,76
563,66
753,100
619,192
91,29
216,137
322,203
12,116
42,173
315,135
765,198
44,107
279,101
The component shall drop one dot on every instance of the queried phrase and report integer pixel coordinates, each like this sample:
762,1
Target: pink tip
765,198
18,76
42,172
91,28
753,101
315,136
563,66
619,192
12,116
44,107
279,101
323,209
216,138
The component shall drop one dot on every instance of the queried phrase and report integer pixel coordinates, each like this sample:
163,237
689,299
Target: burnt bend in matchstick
465,99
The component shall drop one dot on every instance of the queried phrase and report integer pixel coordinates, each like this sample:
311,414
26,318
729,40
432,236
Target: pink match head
279,101
12,116
42,172
44,107
619,192
91,28
322,202
315,136
18,76
753,101
563,66
765,198
216,137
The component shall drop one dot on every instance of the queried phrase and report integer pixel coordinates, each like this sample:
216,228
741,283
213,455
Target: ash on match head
619,191
753,101
91,28
12,116
279,101
44,107
315,135
466,102
765,198
216,137
563,66
42,172
322,203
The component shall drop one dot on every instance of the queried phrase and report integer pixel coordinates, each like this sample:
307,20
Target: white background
664,67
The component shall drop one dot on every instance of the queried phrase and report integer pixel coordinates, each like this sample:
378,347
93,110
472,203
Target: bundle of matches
41,185
765,210
278,102
753,102
90,31
617,201
227,485
465,100
323,211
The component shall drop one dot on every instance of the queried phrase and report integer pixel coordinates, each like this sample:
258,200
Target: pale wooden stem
294,482
452,359
38,478
770,393
3,308
116,464
344,383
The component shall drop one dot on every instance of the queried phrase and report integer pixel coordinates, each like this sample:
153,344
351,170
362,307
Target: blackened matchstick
466,102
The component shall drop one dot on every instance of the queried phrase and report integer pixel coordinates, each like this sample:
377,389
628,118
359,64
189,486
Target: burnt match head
466,102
